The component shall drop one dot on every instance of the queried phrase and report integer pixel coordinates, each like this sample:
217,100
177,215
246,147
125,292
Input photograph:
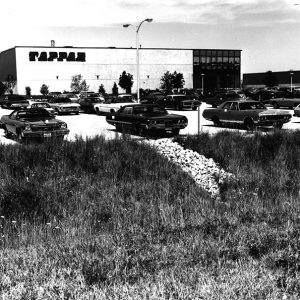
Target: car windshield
61,100
180,98
149,109
16,98
94,100
251,105
41,105
124,100
34,114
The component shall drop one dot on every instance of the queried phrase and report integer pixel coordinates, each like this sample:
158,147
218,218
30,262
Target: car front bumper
68,110
166,127
45,134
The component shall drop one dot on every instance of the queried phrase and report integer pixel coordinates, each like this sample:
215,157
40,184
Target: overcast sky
267,31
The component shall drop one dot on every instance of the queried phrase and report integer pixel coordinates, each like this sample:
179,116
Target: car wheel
140,131
118,127
275,105
194,107
97,111
7,133
216,121
18,136
249,124
175,131
278,125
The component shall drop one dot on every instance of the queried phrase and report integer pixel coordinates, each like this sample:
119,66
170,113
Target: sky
267,31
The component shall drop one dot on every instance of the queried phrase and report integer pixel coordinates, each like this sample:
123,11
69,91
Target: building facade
55,66
284,79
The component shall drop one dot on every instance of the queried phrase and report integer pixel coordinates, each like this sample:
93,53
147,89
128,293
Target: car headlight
63,125
27,127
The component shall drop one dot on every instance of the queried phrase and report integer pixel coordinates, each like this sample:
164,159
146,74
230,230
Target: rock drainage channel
205,171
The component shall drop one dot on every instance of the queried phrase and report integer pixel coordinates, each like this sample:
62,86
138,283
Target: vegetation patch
105,219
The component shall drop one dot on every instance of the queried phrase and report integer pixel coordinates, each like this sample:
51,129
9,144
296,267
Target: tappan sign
57,56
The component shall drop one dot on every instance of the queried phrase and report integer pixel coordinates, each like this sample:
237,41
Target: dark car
152,97
178,102
14,102
146,117
63,105
285,102
88,104
264,95
33,123
246,113
218,98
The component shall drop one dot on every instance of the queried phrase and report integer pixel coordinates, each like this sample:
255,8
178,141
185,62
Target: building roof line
112,47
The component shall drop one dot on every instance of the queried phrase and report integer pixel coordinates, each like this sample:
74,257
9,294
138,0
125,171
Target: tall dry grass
97,219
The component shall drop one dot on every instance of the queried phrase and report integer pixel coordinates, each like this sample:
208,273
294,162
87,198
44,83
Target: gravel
205,171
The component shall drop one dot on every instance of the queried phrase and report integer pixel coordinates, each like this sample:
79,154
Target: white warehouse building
55,66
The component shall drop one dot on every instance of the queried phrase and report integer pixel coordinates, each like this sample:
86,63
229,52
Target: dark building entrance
216,69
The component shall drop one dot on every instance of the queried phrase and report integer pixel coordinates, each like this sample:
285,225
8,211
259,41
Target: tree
172,80
178,80
166,81
10,84
270,79
28,90
2,88
115,90
126,81
78,84
101,89
44,89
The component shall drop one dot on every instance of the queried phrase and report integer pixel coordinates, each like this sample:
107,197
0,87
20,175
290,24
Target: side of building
55,66
284,78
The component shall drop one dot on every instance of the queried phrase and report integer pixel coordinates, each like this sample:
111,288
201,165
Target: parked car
86,94
297,111
146,117
14,101
64,105
246,113
33,123
218,98
263,95
55,94
44,105
113,104
152,97
178,102
89,104
285,102
72,96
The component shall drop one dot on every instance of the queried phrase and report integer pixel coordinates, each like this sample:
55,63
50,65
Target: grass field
101,219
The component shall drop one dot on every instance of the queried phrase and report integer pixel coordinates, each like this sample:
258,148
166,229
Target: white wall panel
107,63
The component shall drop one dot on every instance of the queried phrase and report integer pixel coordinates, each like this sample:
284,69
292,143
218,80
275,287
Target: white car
113,104
74,97
64,105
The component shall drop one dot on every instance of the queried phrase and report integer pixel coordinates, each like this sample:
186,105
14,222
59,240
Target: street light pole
137,55
202,83
291,81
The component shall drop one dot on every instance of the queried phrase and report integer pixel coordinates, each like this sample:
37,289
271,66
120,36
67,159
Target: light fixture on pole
137,55
291,73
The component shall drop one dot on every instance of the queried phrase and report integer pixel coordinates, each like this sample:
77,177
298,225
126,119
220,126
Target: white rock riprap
205,171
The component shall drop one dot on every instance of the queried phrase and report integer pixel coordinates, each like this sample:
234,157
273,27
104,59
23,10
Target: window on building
196,60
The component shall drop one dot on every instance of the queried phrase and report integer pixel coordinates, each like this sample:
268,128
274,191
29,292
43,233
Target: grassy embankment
103,219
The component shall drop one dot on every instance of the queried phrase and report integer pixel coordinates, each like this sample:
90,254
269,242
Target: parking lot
89,125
